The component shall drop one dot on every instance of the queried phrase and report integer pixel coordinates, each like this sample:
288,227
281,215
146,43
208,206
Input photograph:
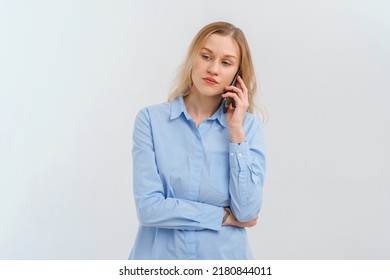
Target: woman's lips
210,80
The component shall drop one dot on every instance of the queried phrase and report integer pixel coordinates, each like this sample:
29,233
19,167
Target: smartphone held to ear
227,101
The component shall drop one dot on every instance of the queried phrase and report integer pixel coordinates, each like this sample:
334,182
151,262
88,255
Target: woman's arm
154,207
247,171
247,159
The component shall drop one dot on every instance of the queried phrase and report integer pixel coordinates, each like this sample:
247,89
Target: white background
73,75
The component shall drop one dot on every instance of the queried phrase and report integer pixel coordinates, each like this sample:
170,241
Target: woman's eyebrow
226,55
207,49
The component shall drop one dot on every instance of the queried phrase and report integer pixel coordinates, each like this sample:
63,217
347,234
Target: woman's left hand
235,116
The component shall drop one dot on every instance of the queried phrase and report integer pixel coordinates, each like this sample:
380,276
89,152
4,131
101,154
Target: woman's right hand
232,221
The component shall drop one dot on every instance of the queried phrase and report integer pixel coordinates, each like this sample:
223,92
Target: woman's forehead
221,45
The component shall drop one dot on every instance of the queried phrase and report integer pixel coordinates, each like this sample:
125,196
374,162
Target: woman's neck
201,108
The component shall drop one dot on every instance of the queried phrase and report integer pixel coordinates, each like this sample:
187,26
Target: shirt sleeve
154,208
247,171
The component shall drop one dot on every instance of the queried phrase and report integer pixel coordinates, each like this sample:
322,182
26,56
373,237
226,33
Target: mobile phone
229,100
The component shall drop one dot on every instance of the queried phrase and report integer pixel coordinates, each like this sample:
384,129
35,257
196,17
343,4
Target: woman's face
215,65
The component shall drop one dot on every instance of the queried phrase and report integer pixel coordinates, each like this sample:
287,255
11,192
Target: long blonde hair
183,76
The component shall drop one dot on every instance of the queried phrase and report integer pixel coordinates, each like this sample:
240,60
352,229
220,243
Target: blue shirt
185,175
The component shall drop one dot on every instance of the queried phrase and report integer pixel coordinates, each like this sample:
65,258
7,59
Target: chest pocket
220,173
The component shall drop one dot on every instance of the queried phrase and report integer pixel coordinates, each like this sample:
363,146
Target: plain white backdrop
73,75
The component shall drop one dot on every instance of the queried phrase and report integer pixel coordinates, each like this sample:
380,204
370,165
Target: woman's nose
213,68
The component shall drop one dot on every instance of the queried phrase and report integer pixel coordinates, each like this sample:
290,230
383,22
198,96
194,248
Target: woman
198,172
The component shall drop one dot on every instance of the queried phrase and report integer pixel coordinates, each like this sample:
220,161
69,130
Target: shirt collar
178,108
220,116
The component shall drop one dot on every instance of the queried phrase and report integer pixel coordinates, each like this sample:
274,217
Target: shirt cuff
238,155
211,217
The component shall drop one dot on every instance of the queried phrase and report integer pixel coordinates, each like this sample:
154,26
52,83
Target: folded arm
154,206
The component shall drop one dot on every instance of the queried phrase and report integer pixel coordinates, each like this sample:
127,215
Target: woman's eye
207,57
227,63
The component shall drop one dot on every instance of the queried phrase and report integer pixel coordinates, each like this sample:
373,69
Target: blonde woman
199,169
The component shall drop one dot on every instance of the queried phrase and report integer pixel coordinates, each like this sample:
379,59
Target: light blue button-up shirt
185,175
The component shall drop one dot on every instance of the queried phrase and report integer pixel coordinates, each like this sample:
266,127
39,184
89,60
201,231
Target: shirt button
240,155
231,154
